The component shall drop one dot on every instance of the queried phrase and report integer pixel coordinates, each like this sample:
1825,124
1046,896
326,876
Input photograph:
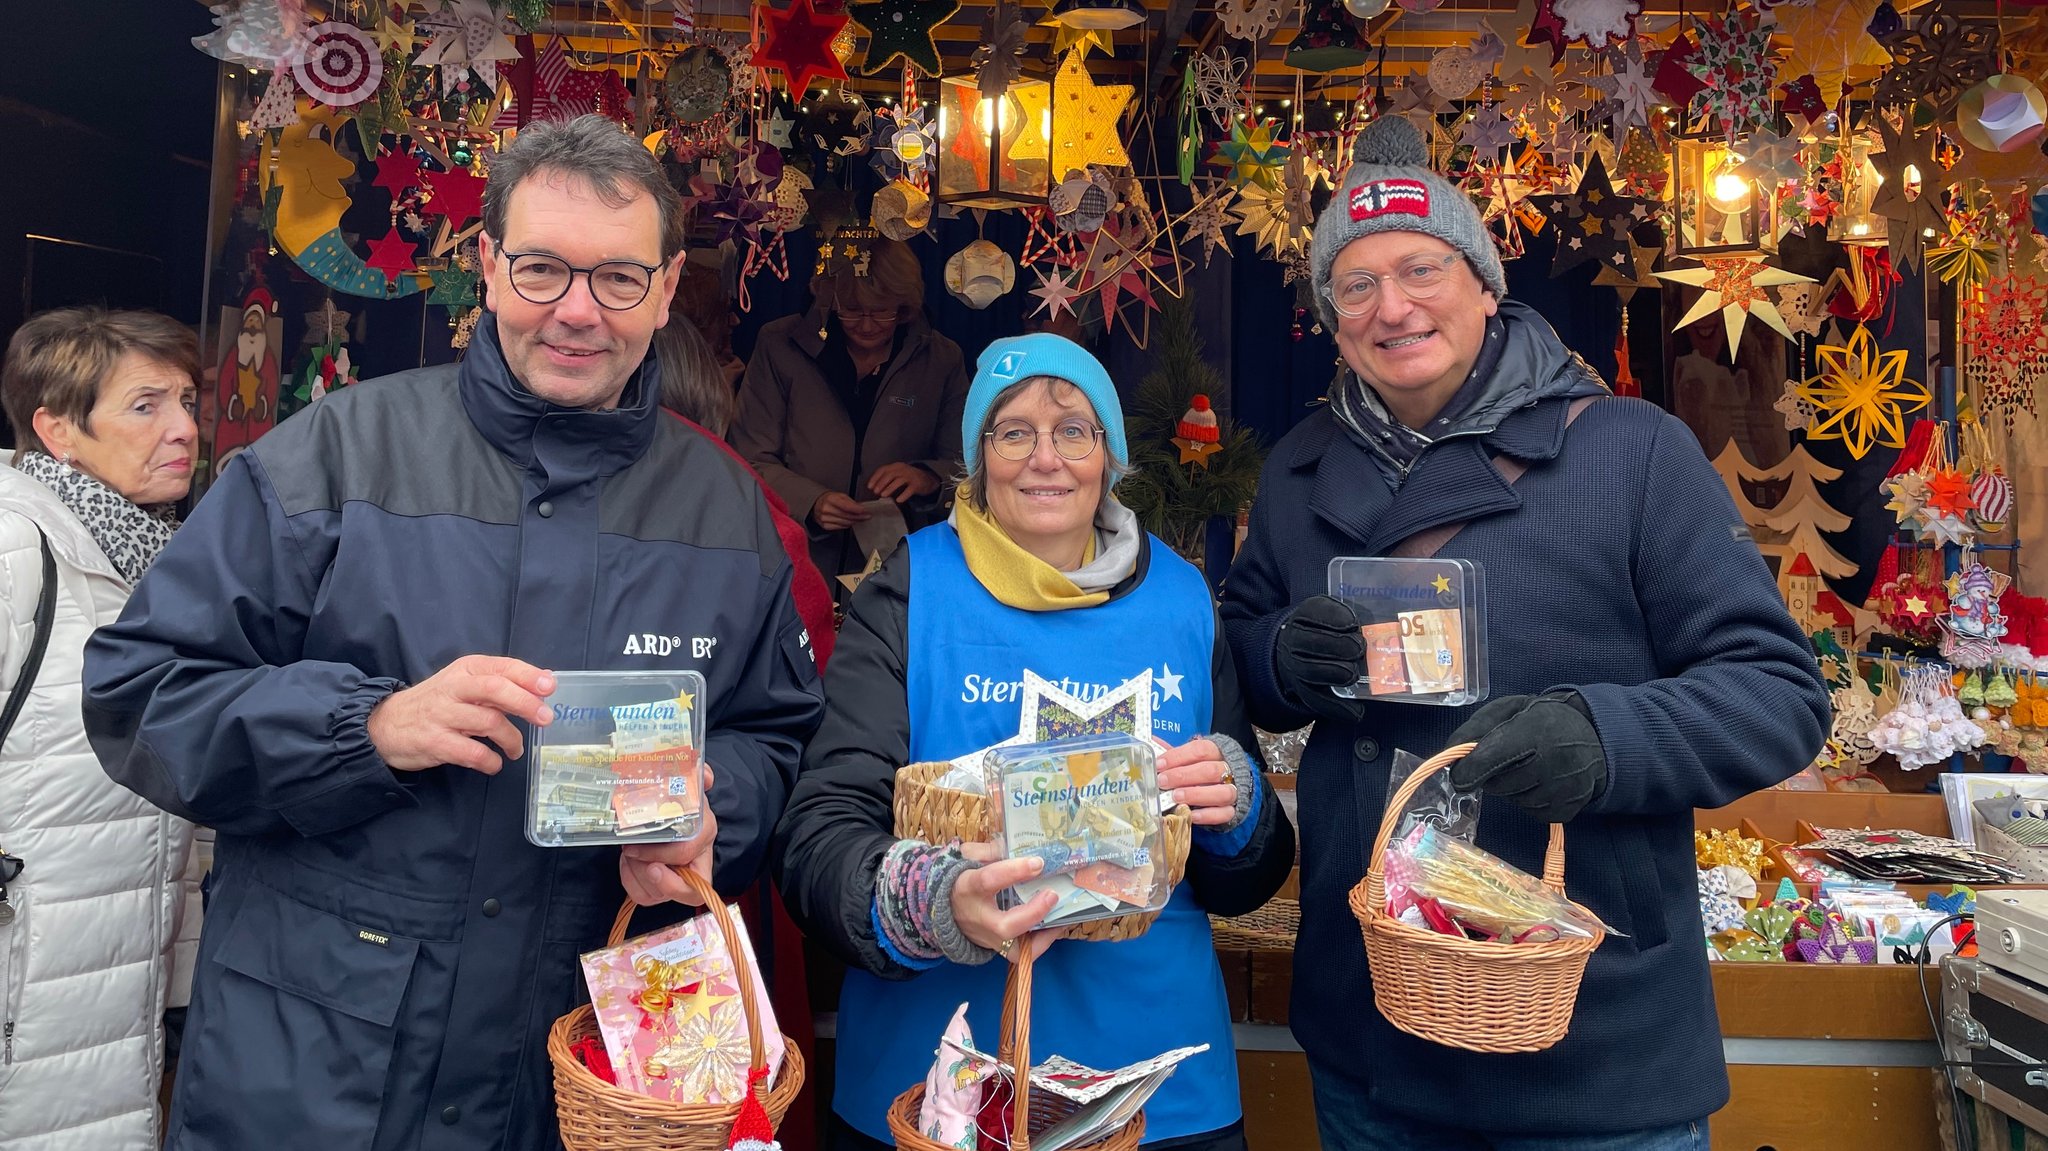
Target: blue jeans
1349,1123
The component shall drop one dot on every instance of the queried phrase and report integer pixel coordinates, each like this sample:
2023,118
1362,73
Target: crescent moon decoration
305,199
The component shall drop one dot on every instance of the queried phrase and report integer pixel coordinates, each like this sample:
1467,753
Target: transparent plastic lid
1424,622
621,763
1088,807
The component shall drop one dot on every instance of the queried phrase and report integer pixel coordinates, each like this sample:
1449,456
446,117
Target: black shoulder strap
1426,543
46,618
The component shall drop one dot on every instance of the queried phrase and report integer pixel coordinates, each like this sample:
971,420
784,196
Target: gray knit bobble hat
1389,187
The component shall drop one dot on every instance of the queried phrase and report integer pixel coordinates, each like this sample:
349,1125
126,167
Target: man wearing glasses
340,662
1641,665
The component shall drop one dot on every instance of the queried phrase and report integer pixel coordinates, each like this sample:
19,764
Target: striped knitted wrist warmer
1243,772
914,902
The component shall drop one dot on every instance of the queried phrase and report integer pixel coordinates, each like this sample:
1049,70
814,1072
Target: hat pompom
1392,141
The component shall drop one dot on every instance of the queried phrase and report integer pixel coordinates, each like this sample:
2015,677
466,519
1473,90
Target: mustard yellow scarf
1011,574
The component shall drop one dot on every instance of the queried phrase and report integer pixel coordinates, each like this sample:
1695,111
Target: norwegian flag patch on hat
1376,198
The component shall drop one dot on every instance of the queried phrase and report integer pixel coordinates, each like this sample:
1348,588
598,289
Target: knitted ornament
751,1130
1198,422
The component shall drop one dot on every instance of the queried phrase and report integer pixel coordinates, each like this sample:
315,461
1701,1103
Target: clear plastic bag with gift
1438,879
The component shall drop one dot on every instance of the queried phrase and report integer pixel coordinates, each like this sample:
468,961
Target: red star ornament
1547,28
392,255
799,45
1949,492
397,171
1673,77
458,195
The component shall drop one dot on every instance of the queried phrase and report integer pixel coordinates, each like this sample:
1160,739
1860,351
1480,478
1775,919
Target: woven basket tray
1479,996
1270,928
1029,1113
598,1116
933,814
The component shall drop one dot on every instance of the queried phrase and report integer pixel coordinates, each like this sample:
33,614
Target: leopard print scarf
130,535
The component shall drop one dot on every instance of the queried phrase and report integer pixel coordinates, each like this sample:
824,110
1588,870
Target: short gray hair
977,480
617,166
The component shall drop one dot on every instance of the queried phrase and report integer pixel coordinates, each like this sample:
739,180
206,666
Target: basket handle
742,967
1016,1044
1553,855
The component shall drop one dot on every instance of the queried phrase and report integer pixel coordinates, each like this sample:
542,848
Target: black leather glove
1320,647
1540,752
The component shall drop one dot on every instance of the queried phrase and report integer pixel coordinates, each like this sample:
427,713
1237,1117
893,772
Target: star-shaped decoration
467,37
1911,216
1000,59
1674,73
902,30
1441,583
1935,60
798,43
775,129
1415,95
1771,159
456,194
1948,491
1487,48
1085,116
1793,406
1629,88
1733,286
1861,396
392,255
1908,492
1264,215
1828,40
1487,131
326,324
1069,39
1802,308
1625,273
1593,222
1546,27
697,1001
393,33
1253,155
1734,63
1055,294
1518,59
1207,220
397,171
1944,531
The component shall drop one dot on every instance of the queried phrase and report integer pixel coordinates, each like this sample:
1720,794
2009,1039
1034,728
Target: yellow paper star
1734,286
1080,40
1916,605
1862,396
1084,118
1441,584
697,1003
1829,41
394,34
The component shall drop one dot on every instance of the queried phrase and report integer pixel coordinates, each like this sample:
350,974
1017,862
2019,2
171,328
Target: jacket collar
1522,414
69,540
575,442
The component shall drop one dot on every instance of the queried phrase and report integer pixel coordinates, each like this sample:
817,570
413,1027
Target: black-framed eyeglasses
1356,295
617,285
1015,440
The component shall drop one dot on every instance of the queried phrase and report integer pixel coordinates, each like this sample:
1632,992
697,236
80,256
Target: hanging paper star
255,34
1629,88
1252,154
1069,39
1545,27
397,171
1207,219
999,60
1263,214
1487,131
1966,256
1592,223
1790,404
468,37
1517,58
392,255
1912,217
798,43
1674,71
458,195
1827,40
1085,117
1626,273
1936,60
902,29
1734,62
2006,336
1803,308
1596,23
1415,95
1733,286
1770,158
1055,294
1862,395
393,33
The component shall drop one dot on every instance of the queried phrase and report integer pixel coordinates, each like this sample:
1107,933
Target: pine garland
1175,501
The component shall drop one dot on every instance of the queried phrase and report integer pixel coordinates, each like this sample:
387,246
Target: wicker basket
597,1116
1479,996
1029,1113
1270,928
934,814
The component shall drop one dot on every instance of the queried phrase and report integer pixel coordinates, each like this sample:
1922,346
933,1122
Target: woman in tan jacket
856,400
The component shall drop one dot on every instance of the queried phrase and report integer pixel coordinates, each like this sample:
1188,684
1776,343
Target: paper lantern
2003,114
994,152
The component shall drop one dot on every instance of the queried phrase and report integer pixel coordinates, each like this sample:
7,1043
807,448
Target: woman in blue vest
1039,569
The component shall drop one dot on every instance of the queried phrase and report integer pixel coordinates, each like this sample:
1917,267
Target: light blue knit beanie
1017,358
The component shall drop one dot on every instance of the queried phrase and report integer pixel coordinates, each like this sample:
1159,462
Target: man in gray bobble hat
1640,664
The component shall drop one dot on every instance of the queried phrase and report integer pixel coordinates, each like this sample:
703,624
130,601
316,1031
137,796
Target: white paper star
1039,692
468,37
1055,295
1628,89
1797,412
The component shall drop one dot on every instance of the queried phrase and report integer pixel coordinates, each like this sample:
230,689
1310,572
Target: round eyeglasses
1015,440
1357,295
617,285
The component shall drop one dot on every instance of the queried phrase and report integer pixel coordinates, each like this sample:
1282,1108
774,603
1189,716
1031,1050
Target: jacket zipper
14,972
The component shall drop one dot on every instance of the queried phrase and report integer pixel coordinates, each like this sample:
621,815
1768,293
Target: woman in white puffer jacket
100,925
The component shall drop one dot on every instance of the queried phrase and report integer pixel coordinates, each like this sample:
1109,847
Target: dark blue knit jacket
1618,566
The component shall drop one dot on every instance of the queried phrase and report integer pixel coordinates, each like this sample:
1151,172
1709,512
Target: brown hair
617,166
894,280
59,359
977,480
693,382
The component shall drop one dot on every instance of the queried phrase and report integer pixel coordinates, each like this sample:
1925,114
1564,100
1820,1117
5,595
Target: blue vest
1100,1004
